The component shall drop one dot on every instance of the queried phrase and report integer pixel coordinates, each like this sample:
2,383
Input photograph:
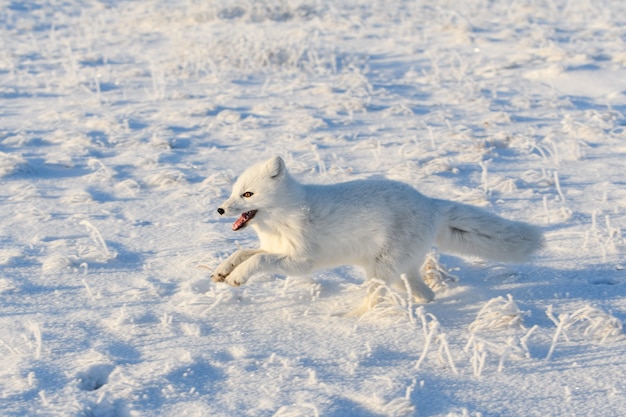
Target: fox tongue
243,219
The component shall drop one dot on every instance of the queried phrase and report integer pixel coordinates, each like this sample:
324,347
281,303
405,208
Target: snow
123,125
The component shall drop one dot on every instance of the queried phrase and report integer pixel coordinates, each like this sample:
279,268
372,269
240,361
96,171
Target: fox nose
220,211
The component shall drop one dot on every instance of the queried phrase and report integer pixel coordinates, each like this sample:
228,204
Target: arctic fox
384,226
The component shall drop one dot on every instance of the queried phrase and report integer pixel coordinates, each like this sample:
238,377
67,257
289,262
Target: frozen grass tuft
166,178
128,188
607,237
435,274
99,252
496,331
55,264
74,254
398,407
28,344
386,302
433,336
101,173
589,322
498,313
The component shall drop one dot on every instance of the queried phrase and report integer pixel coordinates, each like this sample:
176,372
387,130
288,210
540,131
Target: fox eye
247,194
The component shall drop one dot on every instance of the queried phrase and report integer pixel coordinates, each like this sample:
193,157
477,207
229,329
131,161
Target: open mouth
241,222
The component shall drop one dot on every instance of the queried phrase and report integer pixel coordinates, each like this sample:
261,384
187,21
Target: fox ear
276,167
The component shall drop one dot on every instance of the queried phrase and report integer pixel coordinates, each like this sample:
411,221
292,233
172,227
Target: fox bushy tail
470,230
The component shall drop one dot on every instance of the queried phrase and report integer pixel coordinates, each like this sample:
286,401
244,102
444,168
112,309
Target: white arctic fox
384,226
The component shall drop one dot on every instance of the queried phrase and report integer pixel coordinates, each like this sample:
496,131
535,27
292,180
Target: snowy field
123,125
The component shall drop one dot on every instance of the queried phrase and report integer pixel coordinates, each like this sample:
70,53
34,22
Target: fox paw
222,272
235,279
217,277
230,279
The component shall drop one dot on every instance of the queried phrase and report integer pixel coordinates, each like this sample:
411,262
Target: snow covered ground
123,125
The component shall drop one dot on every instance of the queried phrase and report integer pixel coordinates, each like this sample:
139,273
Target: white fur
386,227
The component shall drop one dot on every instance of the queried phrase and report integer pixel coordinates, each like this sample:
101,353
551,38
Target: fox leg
226,267
421,292
269,263
376,271
411,270
392,277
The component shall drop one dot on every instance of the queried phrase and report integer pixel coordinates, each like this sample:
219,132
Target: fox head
256,192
